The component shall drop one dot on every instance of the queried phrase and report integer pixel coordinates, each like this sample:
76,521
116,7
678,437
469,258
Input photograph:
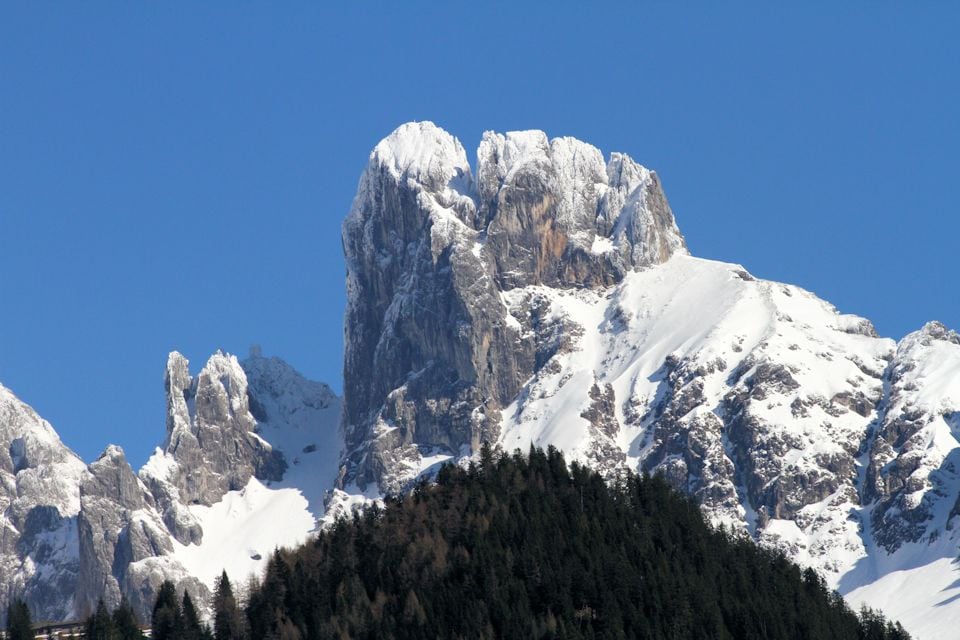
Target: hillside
527,547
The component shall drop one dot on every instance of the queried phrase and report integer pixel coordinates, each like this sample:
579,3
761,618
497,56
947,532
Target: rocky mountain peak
935,330
423,154
211,431
433,352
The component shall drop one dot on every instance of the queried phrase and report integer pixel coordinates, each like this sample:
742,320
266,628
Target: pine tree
100,625
193,629
167,617
125,622
228,620
18,621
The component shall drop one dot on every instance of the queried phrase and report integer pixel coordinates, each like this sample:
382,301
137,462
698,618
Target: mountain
207,500
544,295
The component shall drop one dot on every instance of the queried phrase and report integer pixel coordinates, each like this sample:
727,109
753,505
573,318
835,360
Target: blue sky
173,176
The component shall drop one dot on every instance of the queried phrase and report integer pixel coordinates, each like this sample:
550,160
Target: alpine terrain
542,296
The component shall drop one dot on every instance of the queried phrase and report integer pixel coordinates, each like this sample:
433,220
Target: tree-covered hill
529,547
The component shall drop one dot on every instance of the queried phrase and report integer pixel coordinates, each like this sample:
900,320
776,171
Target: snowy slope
675,352
301,419
843,453
242,530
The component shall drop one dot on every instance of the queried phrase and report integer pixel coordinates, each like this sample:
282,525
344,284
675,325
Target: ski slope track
542,295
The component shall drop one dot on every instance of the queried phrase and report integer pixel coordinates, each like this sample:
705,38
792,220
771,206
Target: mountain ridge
114,533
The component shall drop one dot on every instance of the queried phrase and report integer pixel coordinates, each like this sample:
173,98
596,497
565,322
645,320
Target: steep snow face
39,503
300,418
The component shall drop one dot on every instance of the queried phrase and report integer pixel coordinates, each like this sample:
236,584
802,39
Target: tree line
173,618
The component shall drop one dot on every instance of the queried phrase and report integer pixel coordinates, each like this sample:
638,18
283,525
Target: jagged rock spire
432,354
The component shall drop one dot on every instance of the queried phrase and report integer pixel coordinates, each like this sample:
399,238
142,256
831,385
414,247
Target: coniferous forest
529,547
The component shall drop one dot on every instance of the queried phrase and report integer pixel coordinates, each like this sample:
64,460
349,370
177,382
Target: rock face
73,534
211,442
118,528
913,475
432,352
39,504
210,431
550,299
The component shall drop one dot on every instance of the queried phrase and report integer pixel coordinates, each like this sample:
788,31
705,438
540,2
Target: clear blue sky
173,176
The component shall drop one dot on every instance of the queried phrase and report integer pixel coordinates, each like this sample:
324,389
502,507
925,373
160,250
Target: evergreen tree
125,622
228,619
193,629
99,625
18,621
167,620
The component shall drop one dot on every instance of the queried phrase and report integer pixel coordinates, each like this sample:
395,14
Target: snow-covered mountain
545,296
250,448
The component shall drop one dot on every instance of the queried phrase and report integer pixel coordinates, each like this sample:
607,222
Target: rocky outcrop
119,527
433,353
39,504
211,431
914,461
211,446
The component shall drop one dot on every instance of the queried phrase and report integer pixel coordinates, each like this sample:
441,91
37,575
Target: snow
343,502
302,421
925,599
419,150
242,530
159,465
601,245
514,151
706,312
